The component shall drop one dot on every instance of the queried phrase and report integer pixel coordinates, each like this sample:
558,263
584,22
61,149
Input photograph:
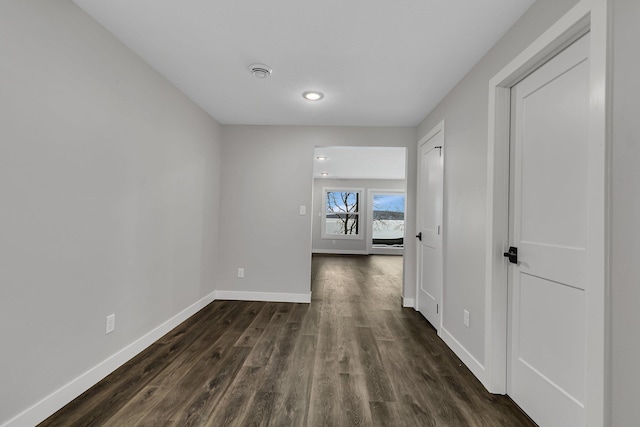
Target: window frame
360,214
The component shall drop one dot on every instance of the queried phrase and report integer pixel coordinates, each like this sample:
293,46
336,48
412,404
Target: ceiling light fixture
260,71
311,95
324,173
321,158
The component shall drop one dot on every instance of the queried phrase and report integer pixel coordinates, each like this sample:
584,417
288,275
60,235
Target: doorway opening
359,200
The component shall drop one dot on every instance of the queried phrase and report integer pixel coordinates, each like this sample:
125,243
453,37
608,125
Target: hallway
353,356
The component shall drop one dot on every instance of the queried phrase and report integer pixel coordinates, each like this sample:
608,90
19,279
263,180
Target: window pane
388,219
342,224
342,202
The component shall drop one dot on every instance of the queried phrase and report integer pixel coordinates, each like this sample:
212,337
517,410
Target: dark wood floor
353,357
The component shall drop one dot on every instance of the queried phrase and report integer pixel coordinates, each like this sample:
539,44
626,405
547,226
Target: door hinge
437,308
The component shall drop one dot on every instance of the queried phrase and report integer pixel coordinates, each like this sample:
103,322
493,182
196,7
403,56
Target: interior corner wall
267,174
347,246
465,111
625,233
109,179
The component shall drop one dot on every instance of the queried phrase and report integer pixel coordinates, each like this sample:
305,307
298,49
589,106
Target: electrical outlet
240,273
466,318
111,323
303,210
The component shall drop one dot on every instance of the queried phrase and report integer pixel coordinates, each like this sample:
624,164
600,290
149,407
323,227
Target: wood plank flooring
353,357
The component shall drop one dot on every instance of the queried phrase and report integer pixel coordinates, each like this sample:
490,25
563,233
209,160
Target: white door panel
546,306
430,195
553,157
547,362
542,260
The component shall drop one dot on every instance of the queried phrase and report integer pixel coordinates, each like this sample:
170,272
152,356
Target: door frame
587,16
437,129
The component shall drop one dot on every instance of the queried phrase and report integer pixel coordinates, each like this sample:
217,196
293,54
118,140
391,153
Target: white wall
465,110
625,239
321,245
109,186
267,174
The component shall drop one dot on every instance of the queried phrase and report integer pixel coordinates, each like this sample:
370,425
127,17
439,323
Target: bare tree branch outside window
343,207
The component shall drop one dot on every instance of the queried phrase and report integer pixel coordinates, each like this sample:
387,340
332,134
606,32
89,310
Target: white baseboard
467,358
59,398
409,302
262,296
339,251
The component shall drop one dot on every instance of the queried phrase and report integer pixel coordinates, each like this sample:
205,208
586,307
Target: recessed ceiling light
324,173
260,71
312,95
321,158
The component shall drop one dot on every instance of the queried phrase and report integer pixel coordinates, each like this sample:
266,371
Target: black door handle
419,236
512,255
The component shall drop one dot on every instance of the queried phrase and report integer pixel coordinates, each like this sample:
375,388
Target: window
341,213
387,214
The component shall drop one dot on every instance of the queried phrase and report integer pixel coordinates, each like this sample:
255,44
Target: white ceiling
378,62
360,162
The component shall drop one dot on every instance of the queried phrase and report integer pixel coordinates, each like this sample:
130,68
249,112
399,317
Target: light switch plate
111,324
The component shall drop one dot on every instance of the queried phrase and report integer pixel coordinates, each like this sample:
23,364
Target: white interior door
549,225
430,191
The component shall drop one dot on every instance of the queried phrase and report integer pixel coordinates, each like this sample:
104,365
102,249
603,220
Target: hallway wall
625,237
267,174
109,179
465,111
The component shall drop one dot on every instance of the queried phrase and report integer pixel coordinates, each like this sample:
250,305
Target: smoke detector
260,71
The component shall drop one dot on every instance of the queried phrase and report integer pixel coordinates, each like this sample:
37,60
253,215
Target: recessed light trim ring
313,95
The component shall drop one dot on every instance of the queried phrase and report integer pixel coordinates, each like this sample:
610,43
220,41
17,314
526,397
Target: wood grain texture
353,357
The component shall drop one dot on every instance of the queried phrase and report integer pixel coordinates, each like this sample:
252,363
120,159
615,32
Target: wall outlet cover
111,324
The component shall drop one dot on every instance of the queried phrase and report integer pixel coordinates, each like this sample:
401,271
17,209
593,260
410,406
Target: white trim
65,394
598,304
263,296
587,15
465,356
339,251
408,302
